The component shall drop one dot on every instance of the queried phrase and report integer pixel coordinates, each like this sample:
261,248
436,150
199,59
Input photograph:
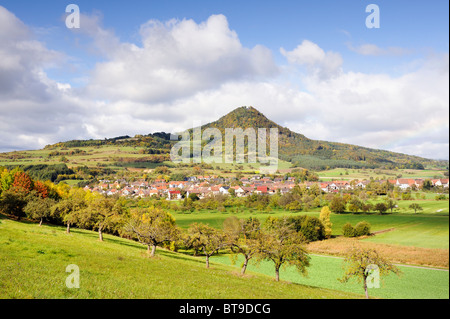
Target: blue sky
313,66
418,26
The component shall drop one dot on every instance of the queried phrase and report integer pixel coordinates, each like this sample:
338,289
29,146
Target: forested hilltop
293,147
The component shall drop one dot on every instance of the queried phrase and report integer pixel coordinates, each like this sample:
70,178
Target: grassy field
360,174
108,155
33,261
426,229
324,271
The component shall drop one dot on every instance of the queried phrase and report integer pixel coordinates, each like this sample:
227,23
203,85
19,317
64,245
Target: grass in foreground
414,283
33,261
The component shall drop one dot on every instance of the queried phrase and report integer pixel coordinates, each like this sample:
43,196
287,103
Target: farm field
324,271
107,155
421,230
416,239
33,261
360,174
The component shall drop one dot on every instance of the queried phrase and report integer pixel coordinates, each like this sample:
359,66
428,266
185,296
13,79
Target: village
207,186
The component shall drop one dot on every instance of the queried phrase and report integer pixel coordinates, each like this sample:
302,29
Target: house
112,191
142,192
362,184
324,187
214,190
175,184
153,192
224,190
239,191
405,183
261,190
194,191
174,194
441,182
126,192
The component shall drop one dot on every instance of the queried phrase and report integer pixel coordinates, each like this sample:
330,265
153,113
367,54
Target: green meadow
33,263
324,271
361,174
427,230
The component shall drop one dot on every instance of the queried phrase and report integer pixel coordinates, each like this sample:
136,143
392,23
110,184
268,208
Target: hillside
118,268
314,154
145,150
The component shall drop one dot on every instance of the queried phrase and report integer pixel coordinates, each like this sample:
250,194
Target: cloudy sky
137,67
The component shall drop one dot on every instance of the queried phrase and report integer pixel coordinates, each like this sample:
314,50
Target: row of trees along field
279,240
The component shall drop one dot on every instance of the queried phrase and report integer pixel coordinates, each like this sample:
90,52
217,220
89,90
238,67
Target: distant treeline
318,163
159,140
63,153
44,172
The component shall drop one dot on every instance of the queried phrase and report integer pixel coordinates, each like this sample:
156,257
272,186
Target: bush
312,228
362,228
348,230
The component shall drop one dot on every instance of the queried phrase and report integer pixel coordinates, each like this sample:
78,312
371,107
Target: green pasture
33,263
361,174
324,271
421,230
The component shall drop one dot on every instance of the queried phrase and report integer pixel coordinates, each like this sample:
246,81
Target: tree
242,237
70,210
101,213
366,264
312,229
281,244
41,189
325,219
206,238
355,204
13,201
39,208
367,207
152,227
416,207
381,207
337,204
427,184
23,182
390,203
7,179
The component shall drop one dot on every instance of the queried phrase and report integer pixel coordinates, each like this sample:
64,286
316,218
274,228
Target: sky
138,67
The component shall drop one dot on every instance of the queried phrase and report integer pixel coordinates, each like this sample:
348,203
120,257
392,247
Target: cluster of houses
204,186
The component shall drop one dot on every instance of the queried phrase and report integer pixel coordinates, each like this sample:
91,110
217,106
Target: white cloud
178,59
372,49
33,108
183,71
320,63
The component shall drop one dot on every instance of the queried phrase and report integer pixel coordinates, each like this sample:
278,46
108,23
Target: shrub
362,228
348,230
312,228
